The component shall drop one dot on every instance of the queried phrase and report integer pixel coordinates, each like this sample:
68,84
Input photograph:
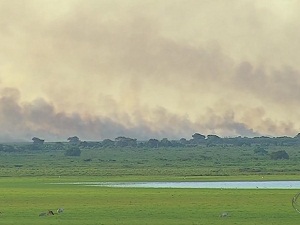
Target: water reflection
209,184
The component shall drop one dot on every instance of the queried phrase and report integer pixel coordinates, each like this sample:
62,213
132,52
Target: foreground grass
22,199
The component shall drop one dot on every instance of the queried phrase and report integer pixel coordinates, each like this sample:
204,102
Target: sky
100,69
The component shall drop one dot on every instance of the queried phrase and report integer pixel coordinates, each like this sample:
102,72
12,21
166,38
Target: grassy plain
22,199
27,189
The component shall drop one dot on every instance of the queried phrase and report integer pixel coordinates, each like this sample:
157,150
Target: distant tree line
196,140
73,145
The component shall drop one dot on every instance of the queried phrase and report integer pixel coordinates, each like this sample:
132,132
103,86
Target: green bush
260,151
73,151
279,155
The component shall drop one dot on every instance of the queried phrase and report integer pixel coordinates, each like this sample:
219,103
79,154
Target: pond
205,184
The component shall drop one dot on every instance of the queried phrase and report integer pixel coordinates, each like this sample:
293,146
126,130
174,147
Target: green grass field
27,189
23,199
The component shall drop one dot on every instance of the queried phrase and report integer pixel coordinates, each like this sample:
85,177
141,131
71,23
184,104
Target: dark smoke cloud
24,120
101,69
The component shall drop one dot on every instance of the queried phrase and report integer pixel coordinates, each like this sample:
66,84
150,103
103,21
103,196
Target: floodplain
23,199
33,182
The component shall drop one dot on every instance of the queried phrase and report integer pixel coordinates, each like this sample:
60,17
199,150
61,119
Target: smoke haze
148,69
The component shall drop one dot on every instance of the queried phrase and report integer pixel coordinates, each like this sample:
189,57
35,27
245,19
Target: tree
183,141
175,143
197,136
297,136
74,140
37,141
213,137
279,155
73,151
285,141
263,140
165,143
213,140
107,143
37,144
125,142
153,143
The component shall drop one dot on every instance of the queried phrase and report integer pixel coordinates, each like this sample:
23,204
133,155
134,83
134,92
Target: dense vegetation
200,156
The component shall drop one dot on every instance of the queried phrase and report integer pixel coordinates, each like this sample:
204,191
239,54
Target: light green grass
22,199
25,189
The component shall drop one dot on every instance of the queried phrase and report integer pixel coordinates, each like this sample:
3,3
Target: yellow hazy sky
149,69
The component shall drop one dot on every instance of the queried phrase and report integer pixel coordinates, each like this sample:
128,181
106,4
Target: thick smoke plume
148,69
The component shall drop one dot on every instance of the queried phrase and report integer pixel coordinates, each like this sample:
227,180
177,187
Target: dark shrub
279,155
73,151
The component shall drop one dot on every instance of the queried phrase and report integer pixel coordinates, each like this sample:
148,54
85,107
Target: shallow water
210,184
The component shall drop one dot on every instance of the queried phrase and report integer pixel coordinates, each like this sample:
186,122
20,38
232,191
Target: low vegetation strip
126,161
